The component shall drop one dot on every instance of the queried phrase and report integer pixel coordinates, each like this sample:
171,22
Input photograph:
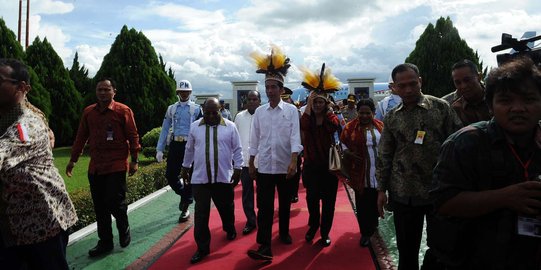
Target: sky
208,42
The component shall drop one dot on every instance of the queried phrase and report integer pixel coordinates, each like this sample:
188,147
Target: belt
180,138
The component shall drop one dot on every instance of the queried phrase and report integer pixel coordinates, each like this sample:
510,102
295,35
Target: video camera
521,48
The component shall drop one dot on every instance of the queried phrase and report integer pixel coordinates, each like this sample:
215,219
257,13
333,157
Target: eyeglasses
404,85
2,80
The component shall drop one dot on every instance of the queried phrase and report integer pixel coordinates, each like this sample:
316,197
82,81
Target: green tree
11,48
65,100
437,49
141,81
83,84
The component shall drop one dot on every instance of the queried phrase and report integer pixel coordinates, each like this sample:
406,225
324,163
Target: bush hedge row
148,179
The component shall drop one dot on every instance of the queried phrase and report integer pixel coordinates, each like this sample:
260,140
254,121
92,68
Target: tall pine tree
142,82
83,84
65,99
437,49
11,48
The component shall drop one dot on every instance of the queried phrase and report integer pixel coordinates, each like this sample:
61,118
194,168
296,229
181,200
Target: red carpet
343,253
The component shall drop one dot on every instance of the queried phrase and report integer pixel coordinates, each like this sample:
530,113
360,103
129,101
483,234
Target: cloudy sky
208,41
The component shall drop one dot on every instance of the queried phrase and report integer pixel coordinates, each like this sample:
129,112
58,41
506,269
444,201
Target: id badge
528,226
109,135
420,137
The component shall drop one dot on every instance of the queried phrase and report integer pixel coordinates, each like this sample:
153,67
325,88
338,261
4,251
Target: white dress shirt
219,162
275,136
243,121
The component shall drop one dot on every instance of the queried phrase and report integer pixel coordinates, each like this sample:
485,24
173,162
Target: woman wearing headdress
318,126
361,138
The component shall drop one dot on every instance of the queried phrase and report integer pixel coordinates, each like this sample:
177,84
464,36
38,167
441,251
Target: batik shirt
404,165
34,204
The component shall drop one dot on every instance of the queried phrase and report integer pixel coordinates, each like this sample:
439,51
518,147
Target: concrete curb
82,233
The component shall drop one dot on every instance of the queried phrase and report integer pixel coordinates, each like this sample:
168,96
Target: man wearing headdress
275,139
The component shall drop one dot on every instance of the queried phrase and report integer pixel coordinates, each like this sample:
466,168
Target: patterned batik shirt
404,165
34,204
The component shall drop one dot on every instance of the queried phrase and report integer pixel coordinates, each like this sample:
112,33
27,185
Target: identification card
109,135
420,137
528,226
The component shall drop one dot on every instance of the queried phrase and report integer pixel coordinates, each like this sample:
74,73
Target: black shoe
295,199
310,234
247,229
198,256
286,239
326,241
262,253
125,238
231,235
100,249
184,216
365,241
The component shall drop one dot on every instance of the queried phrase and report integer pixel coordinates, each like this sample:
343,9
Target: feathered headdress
274,66
323,83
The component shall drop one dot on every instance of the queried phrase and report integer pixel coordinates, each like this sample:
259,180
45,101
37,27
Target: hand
159,156
134,166
185,175
291,169
252,170
524,198
235,178
69,168
382,201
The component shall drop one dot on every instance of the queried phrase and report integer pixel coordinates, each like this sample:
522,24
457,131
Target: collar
280,105
110,107
222,121
423,102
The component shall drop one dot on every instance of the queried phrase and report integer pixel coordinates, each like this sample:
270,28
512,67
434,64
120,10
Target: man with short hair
175,128
387,103
35,209
243,121
350,111
487,187
216,142
275,139
468,100
109,128
409,145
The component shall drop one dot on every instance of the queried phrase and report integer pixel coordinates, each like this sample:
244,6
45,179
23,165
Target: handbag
335,157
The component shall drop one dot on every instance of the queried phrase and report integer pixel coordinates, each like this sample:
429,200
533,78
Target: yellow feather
330,82
278,57
310,77
262,61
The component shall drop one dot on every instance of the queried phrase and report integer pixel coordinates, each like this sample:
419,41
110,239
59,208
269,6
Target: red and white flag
23,133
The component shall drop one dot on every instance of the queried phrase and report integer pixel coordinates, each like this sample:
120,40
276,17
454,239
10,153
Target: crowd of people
469,164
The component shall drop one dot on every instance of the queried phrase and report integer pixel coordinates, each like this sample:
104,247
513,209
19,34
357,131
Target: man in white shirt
387,103
216,142
243,121
275,139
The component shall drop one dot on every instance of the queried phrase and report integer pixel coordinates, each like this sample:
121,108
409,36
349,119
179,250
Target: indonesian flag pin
23,133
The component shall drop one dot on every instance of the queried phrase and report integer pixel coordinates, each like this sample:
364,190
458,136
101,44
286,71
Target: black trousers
297,177
248,197
408,222
367,210
109,197
321,185
49,254
266,184
222,196
172,171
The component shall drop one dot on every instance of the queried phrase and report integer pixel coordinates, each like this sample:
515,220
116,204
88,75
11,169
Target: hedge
148,179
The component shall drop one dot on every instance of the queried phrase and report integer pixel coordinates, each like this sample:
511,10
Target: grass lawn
79,179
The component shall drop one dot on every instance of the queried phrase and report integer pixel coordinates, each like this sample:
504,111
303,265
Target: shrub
147,180
149,142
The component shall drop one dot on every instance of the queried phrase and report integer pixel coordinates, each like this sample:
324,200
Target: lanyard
524,165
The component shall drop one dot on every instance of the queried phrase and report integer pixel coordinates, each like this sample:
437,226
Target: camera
520,47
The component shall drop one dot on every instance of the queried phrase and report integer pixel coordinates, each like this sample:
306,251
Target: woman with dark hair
318,126
361,138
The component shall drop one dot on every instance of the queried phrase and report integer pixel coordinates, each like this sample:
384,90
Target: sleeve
453,122
166,125
331,123
384,161
132,134
379,110
238,161
295,139
254,135
190,147
82,137
346,135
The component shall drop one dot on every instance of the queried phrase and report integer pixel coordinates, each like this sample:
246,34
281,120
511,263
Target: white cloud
50,7
90,56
